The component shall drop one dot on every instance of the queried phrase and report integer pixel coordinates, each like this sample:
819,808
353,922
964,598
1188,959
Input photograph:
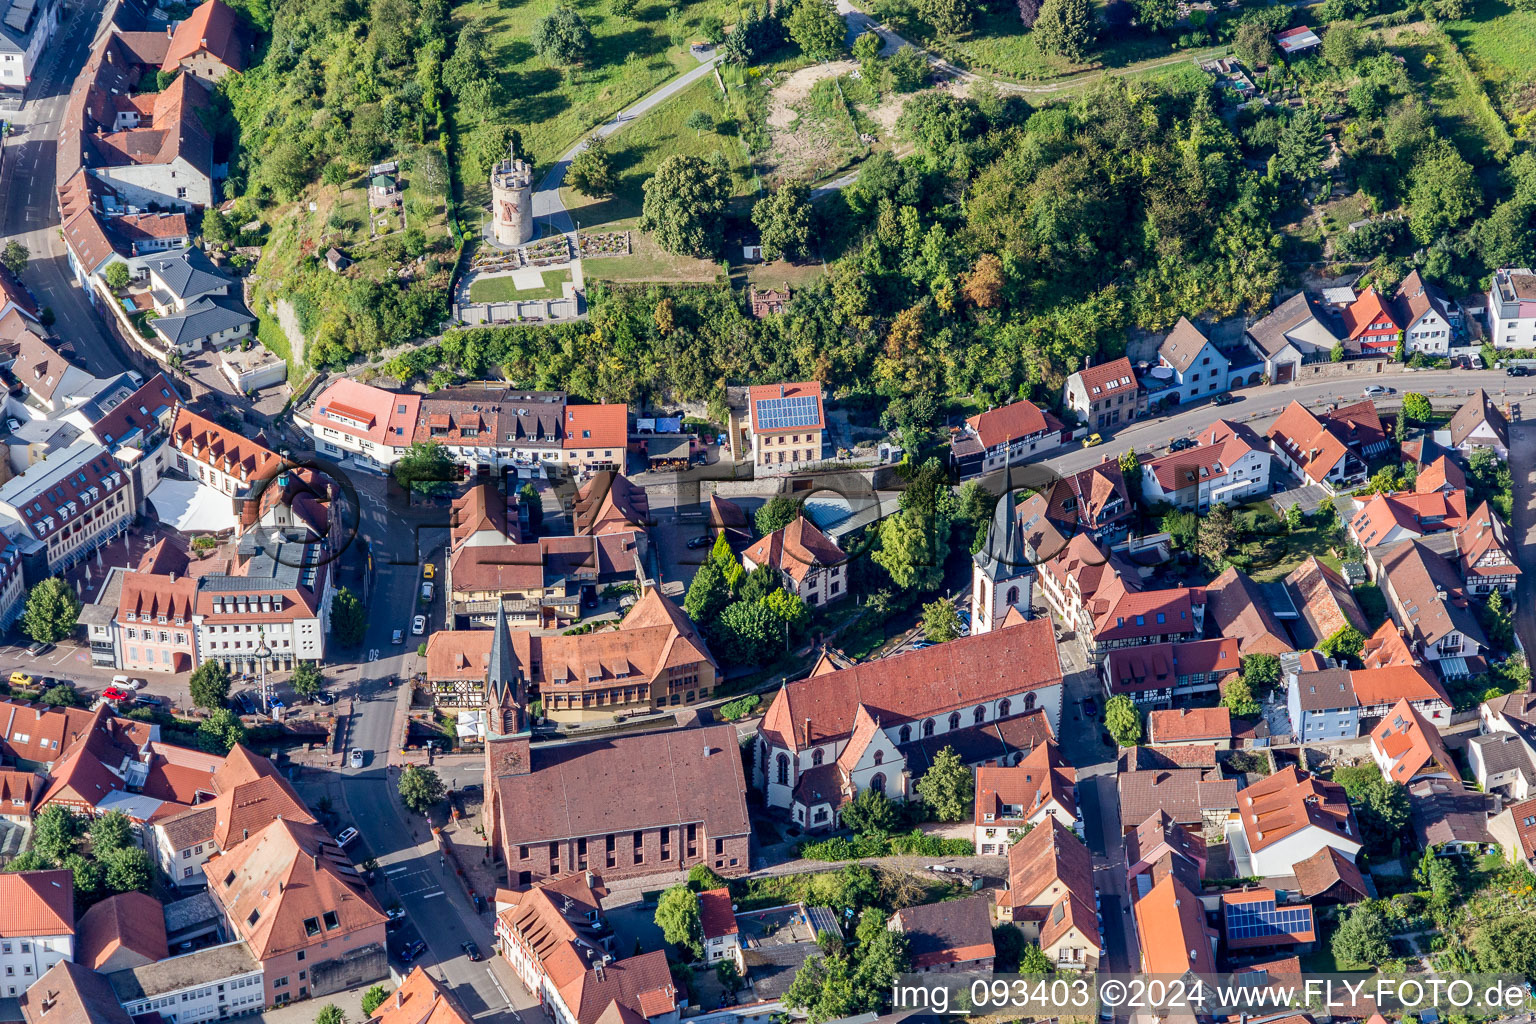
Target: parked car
1225,398
148,700
700,542
428,571
125,683
347,837
1181,444
1092,439
479,902
20,678
356,758
412,951
1377,390
1090,707
418,625
397,637
946,869
325,697
114,694
470,949
1516,371
36,649
426,591
246,701
395,912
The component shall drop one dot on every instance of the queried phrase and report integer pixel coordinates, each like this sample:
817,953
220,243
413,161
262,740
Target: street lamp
263,655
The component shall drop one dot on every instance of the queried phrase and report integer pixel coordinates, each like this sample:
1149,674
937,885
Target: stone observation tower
512,201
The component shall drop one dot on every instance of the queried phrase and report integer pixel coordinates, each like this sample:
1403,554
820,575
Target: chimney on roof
807,728
399,998
597,969
203,42
317,860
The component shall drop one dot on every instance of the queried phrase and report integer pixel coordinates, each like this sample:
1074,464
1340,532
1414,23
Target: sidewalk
350,1000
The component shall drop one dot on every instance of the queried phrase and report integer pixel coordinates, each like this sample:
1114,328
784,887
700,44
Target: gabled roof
1325,869
1047,864
1159,666
1218,448
1410,745
129,921
947,933
36,903
1384,685
1174,936
1366,310
71,993
1441,473
1185,793
1011,422
782,408
609,503
39,366
1386,647
1185,725
1115,377
1477,410
1041,779
1270,334
421,999
716,918
1291,801
202,440
797,548
1158,834
1324,599
1236,607
1183,344
1482,547
213,28
1306,440
915,684
596,426
1419,577
1415,514
289,887
364,411
1414,298
1445,811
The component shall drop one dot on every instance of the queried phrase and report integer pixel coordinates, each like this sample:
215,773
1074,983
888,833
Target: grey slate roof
203,319
1269,334
189,274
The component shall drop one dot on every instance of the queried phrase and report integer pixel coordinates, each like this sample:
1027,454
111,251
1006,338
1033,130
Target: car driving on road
356,759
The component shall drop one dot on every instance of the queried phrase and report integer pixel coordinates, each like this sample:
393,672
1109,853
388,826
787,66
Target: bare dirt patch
806,144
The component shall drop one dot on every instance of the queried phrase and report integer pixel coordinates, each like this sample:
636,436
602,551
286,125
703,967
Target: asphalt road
31,204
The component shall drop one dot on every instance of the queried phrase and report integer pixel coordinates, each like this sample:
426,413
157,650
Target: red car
113,693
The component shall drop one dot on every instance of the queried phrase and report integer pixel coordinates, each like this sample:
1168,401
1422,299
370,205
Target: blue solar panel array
787,413
1262,920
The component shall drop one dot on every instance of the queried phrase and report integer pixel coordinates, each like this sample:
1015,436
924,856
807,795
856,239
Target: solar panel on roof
1264,919
787,413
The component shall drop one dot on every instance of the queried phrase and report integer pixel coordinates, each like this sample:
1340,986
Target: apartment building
371,424
1512,308
61,509
37,926
1104,396
223,459
787,427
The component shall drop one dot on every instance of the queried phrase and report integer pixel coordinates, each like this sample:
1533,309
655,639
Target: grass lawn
1273,557
1459,110
629,58
1499,40
1373,603
504,289
270,333
1000,44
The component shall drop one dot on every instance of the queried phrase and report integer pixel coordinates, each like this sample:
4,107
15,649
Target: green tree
700,122
55,831
1337,353
677,915
1123,720
789,609
330,1013
1342,43
373,999
52,611
947,786
1417,408
909,69
1347,642
591,171
425,468
1157,15
1065,28
941,620
912,549
1183,526
948,17
866,50
749,633
1300,149
1362,939
220,731
1218,532
420,788
880,960
871,811
817,29
62,696
1294,517
1252,43
823,989
111,831
708,594
129,870
1443,193
562,37
1238,699
528,497
685,203
116,275
1261,672
622,8
15,256
783,221
209,685
90,876
1381,805
306,680
1034,961
775,514
702,879
349,620
1506,945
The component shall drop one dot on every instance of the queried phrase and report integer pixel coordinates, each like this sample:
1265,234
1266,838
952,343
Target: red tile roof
1038,781
596,426
1325,869
1368,310
421,999
1306,440
1325,600
1184,725
213,27
1410,745
1386,647
128,921
1158,666
35,903
364,411
715,914
1290,801
798,549
917,684
1390,683
1174,936
1114,376
202,440
1235,607
1011,422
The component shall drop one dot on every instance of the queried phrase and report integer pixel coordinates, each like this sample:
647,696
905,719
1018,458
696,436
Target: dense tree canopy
684,202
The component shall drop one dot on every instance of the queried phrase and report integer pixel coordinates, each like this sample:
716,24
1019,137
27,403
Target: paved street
31,205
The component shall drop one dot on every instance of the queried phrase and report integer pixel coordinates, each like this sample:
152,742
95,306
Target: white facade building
1512,308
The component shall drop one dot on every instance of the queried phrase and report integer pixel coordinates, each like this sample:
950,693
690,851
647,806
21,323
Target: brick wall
634,854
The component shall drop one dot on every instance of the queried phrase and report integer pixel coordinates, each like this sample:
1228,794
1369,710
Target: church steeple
506,701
